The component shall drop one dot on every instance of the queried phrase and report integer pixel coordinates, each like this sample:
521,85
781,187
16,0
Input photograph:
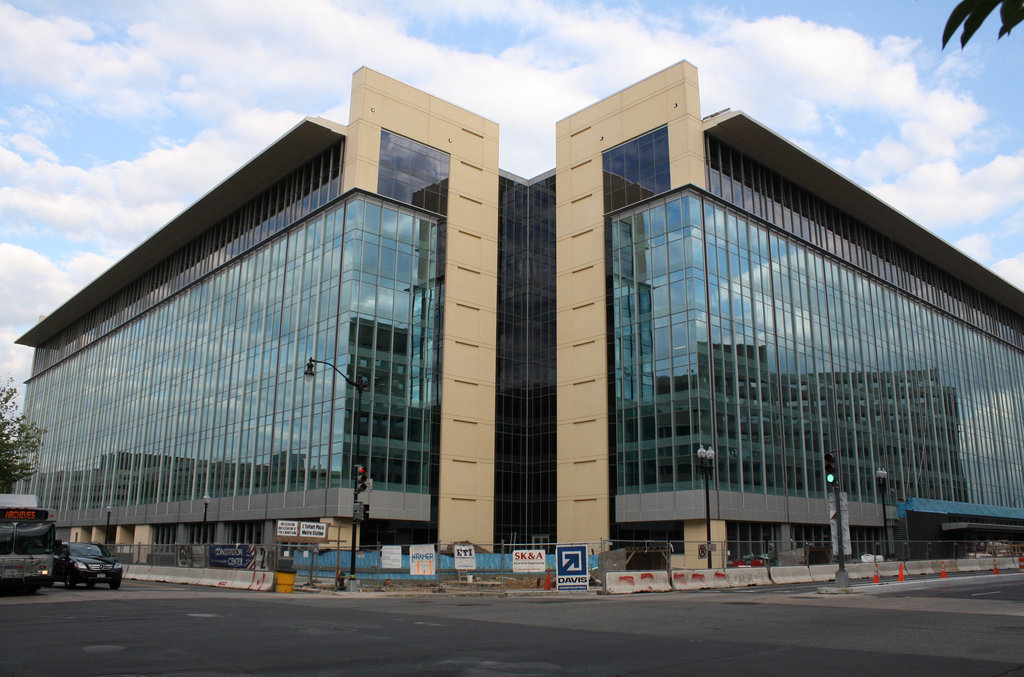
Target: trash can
284,581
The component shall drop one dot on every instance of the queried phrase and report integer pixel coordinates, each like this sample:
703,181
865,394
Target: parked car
88,563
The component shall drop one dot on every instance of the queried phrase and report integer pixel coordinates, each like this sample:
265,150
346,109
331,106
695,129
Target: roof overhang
302,142
754,139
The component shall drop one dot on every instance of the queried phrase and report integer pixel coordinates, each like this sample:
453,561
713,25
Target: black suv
88,563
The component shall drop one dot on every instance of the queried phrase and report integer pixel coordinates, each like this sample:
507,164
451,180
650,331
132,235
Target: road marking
979,594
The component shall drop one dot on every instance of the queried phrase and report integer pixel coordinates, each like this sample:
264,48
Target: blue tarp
955,508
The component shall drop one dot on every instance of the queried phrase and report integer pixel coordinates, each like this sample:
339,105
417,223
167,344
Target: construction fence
506,566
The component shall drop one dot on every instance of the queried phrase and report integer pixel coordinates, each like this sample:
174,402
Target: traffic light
830,468
362,478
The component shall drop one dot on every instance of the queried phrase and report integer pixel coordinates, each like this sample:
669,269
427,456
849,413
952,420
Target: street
964,626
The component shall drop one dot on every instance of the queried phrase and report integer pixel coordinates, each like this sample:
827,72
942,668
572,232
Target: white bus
26,544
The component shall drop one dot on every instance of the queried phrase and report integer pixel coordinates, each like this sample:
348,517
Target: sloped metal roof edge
744,133
308,137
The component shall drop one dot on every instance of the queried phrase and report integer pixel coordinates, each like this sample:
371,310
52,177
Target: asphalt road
962,626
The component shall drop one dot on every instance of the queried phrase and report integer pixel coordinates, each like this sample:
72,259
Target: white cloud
236,80
1012,269
942,195
978,246
34,286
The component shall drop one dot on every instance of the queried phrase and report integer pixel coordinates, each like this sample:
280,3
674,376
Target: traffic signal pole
842,576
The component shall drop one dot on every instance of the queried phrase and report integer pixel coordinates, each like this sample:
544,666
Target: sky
116,115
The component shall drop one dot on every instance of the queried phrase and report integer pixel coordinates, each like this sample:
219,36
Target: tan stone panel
465,519
644,116
648,87
580,248
467,440
462,359
474,288
398,90
471,180
584,178
472,249
582,322
588,210
468,400
580,398
587,282
583,520
586,438
587,357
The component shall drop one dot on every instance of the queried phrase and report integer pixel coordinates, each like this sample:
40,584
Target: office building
542,357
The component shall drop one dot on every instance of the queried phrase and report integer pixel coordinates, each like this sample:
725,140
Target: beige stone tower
671,98
466,480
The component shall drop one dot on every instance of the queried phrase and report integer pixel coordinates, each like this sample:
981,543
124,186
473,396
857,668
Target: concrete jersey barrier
739,577
790,574
238,579
699,579
624,582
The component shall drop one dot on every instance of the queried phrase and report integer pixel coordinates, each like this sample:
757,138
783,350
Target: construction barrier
739,577
969,564
823,572
1006,563
861,570
238,579
889,569
791,574
624,582
919,567
698,579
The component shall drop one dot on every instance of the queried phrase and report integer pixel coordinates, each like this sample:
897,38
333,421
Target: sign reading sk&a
528,561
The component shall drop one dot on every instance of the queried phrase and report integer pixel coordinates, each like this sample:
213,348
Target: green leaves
971,14
19,441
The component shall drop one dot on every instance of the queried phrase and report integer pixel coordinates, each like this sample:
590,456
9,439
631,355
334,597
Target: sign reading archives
465,557
422,560
571,562
528,561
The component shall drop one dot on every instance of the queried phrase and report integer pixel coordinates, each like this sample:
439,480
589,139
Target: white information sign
287,528
465,557
422,560
391,557
528,561
313,529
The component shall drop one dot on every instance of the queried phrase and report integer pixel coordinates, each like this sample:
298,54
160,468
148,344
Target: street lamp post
706,463
882,479
358,414
206,507
106,531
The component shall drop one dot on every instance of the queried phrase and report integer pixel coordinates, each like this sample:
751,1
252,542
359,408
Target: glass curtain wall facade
777,335
204,393
525,415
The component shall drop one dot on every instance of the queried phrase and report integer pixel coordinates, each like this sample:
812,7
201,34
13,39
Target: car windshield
88,550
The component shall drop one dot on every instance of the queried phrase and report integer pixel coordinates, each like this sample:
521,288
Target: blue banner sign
232,556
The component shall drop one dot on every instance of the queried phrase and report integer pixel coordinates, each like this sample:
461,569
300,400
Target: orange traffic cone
995,569
875,579
901,572
547,580
943,570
